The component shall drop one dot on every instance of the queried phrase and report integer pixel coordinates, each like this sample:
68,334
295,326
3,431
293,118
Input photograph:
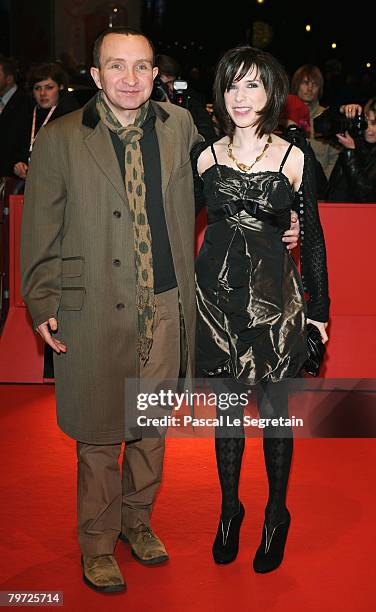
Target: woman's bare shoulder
295,153
206,159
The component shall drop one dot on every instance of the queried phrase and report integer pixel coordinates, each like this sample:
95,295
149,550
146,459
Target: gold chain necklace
244,167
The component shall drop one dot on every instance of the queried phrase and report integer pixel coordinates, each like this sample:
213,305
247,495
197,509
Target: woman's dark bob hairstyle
233,66
42,72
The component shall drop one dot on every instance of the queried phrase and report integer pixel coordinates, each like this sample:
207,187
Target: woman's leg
278,446
229,454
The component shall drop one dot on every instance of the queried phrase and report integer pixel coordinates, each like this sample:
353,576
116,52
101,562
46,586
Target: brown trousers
109,499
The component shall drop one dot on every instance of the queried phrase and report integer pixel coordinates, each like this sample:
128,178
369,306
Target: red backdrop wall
350,238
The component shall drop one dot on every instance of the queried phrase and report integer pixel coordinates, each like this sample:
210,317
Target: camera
161,92
332,122
180,95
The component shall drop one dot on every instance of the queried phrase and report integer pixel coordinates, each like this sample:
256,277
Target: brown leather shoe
102,573
147,548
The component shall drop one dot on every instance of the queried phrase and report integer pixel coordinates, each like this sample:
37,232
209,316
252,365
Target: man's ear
95,75
155,71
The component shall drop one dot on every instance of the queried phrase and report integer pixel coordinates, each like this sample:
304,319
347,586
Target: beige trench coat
76,221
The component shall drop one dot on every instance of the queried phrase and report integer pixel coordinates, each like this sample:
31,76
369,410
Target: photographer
308,84
354,176
168,89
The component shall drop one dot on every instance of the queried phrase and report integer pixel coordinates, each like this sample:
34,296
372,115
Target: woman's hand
20,169
322,329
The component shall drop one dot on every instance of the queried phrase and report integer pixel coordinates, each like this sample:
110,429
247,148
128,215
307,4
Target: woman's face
370,133
46,93
245,98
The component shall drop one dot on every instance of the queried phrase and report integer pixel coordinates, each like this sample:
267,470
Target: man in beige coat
79,238
107,257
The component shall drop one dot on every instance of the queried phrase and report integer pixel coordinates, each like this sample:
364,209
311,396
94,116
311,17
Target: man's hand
44,332
322,329
346,140
291,236
351,110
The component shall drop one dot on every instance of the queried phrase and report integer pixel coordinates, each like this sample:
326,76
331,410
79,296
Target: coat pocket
72,266
72,298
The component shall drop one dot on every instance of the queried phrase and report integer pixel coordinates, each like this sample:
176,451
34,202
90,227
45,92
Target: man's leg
143,459
99,514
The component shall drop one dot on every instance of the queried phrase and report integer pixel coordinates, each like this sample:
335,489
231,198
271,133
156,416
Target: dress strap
285,156
213,152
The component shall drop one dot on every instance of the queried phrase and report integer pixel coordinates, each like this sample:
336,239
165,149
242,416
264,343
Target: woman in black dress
252,314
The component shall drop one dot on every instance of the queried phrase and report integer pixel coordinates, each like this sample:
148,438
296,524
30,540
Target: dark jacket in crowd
14,131
353,178
201,117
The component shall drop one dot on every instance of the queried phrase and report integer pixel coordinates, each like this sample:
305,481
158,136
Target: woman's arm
312,252
196,151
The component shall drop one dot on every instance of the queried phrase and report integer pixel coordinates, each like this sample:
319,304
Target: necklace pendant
243,167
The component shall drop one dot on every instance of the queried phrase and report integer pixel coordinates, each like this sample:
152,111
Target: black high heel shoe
226,543
269,554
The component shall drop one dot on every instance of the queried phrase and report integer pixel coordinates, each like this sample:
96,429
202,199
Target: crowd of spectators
345,160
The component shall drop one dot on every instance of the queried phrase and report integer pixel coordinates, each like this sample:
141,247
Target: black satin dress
250,298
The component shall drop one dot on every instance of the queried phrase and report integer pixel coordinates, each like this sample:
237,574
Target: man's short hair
233,66
308,71
168,65
120,30
9,66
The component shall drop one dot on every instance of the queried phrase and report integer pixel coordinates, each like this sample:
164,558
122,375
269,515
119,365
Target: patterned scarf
135,189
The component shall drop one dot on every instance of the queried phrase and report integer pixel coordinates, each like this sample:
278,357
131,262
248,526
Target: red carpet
329,562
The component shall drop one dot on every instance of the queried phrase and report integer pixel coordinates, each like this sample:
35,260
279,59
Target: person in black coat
47,82
353,178
169,70
14,116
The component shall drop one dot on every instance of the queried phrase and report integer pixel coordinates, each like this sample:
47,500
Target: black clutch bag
316,351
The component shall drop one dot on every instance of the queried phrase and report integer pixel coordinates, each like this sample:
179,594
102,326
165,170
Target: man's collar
7,96
90,117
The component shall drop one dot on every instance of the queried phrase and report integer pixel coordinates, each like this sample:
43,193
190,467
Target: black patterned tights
272,401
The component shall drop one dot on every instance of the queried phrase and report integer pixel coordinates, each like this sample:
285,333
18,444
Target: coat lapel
100,146
99,143
166,142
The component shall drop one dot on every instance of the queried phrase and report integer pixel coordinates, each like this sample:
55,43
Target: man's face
4,81
168,80
126,72
308,90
